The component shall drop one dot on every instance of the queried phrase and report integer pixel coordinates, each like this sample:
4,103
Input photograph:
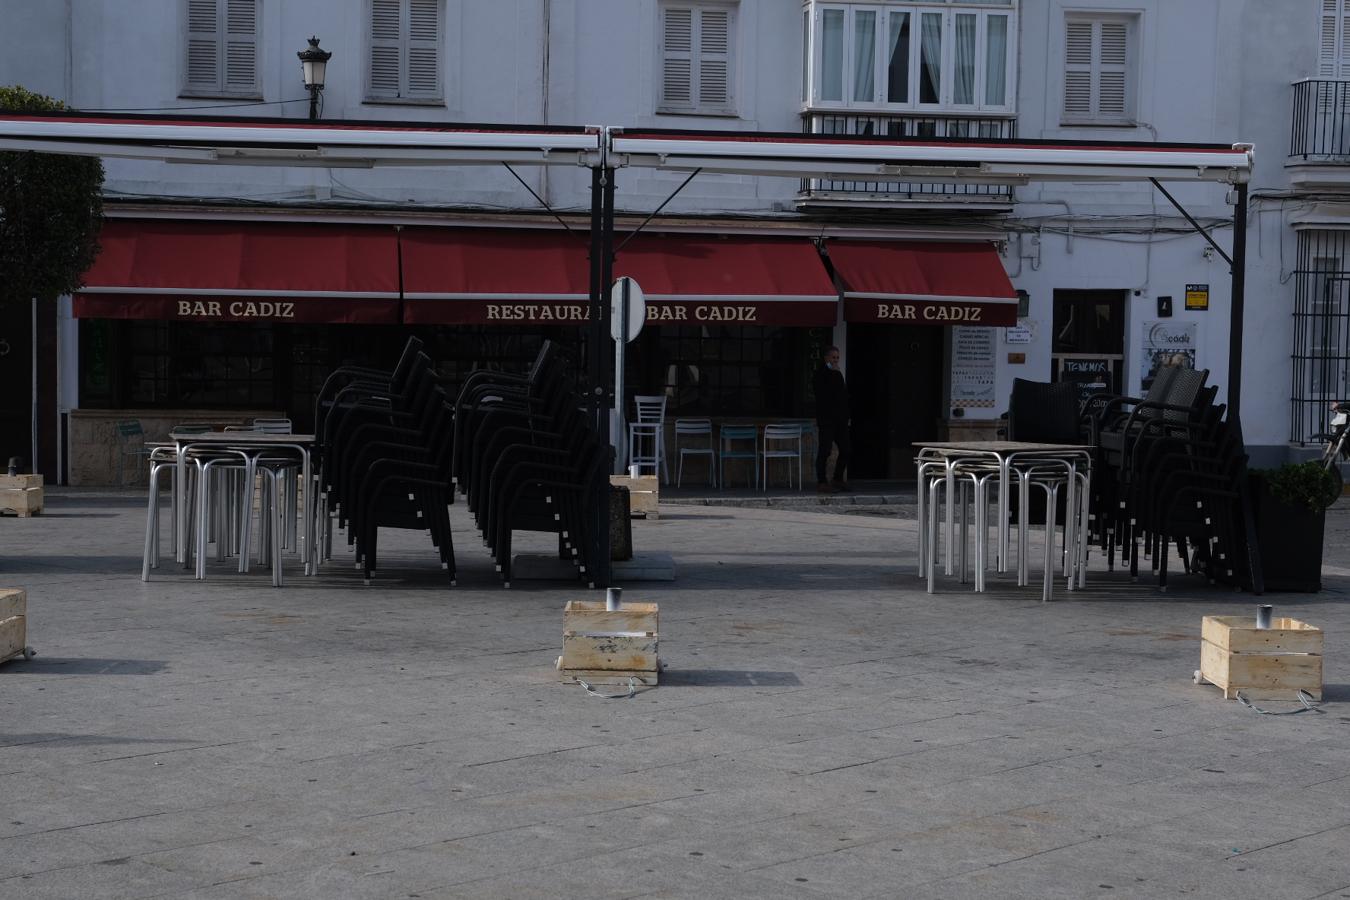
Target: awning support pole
656,212
542,202
1237,303
1194,224
598,357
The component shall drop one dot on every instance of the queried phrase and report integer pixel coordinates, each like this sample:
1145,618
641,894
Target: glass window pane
996,62
832,55
864,55
897,60
930,58
963,81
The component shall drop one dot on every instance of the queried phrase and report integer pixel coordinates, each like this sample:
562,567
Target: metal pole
599,353
313,102
1239,271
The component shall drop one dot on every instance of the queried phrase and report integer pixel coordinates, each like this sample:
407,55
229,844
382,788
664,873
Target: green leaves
51,209
1304,484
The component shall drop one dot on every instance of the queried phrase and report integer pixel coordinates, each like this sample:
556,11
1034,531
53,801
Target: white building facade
1112,278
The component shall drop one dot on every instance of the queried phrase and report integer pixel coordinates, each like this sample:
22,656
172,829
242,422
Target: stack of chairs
386,442
526,458
1174,470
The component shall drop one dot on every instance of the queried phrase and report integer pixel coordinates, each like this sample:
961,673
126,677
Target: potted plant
1290,505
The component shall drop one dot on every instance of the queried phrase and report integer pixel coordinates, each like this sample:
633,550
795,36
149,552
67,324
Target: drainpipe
543,106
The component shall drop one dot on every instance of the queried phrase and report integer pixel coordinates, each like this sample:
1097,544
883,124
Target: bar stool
649,429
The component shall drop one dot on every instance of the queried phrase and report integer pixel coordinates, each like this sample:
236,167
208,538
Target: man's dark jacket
831,395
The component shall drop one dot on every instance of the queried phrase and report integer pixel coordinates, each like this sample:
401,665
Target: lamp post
313,65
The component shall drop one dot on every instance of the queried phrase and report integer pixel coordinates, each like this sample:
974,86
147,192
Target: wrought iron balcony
900,125
1321,128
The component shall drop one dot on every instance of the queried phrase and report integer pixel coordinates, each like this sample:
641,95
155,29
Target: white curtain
832,56
930,58
996,62
963,84
864,55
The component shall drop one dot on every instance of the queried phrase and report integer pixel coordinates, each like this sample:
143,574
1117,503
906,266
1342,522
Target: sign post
628,313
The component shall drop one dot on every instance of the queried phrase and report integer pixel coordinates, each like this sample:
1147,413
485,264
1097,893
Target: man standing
831,422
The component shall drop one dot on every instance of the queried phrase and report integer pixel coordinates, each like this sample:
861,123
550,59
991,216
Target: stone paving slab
825,728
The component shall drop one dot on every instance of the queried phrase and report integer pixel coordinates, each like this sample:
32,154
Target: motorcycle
1337,443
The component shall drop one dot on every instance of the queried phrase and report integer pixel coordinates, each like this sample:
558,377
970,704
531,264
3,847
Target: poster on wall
973,368
1166,344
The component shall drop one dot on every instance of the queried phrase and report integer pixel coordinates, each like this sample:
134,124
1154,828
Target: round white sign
637,310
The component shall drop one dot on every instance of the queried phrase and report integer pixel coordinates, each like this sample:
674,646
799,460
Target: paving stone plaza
824,728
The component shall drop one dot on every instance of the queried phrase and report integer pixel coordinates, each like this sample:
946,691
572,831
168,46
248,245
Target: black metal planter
1290,538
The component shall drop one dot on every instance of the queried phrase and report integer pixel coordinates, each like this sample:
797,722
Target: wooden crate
1264,664
644,494
13,623
601,646
21,494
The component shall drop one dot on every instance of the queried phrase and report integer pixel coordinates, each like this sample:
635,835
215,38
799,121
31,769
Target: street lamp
313,65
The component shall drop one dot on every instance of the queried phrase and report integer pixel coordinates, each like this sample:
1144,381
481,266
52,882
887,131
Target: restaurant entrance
16,377
895,387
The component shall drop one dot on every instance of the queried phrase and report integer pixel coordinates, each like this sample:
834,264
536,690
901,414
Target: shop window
732,370
697,56
222,48
405,51
920,56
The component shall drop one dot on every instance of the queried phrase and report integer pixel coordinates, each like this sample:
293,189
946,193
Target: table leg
1004,463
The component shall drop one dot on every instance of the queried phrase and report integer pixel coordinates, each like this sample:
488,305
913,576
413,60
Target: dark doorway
16,383
895,387
1089,340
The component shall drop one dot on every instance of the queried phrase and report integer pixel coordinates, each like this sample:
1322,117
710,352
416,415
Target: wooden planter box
21,494
1265,664
14,624
644,494
609,647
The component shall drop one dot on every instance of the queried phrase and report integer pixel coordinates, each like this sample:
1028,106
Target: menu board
973,368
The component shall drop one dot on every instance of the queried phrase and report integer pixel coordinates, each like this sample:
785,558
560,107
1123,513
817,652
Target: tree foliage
51,209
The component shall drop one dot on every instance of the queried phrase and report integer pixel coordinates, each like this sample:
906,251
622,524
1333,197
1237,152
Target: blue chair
732,447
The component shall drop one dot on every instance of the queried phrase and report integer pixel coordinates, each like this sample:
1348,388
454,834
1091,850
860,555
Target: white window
222,48
1333,48
697,53
932,56
1099,65
405,51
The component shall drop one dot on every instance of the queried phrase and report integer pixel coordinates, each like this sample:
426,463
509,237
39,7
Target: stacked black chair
386,445
527,459
1172,469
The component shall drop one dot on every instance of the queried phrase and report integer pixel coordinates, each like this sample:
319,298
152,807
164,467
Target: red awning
914,282
453,275
242,272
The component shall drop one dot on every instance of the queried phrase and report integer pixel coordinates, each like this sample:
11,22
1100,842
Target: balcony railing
907,126
1321,128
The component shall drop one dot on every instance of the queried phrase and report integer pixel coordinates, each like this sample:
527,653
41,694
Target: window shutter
1112,67
203,56
424,48
1328,50
714,58
385,47
241,45
1078,70
677,88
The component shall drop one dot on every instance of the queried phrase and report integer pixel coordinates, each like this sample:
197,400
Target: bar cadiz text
580,312
237,309
907,312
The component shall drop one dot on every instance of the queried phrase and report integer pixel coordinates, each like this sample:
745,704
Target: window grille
1321,352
